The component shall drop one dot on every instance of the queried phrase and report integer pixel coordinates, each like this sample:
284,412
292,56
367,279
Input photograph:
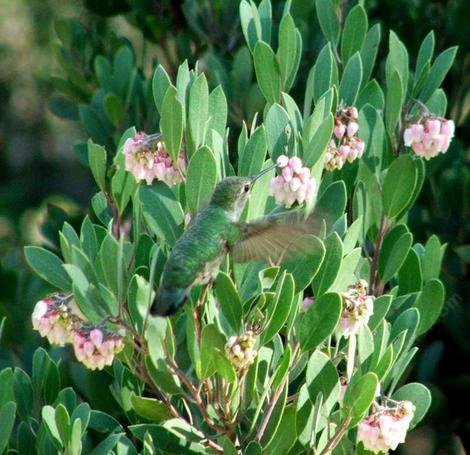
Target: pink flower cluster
96,347
307,303
52,319
429,136
386,429
294,184
348,145
147,159
357,309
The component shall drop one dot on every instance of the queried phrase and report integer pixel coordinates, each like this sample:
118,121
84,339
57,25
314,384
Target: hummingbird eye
246,188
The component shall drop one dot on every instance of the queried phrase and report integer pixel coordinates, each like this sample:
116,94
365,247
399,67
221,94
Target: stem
274,400
374,278
332,442
197,398
351,356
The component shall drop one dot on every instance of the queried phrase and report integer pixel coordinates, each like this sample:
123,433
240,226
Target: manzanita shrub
302,355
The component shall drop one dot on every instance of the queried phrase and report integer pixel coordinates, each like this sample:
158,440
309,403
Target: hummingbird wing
274,238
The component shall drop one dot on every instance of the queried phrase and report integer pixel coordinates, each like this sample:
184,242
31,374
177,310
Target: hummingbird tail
168,301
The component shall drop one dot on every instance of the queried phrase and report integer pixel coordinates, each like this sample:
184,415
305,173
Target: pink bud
360,146
304,174
339,130
287,173
448,128
344,150
295,184
352,128
306,303
353,112
295,164
96,336
433,127
282,161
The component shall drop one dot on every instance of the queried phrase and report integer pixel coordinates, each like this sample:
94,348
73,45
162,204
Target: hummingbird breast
198,253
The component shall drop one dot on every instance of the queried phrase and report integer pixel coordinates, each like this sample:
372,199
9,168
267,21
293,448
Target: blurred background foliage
57,65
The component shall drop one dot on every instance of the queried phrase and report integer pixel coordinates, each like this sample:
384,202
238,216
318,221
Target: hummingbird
217,231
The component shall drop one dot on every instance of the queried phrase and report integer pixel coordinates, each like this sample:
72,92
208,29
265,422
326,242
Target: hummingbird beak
261,173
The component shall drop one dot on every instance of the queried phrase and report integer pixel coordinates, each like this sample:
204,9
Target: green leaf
171,122
218,111
277,119
7,379
425,54
329,269
48,266
229,301
62,420
438,72
253,155
381,307
7,418
398,185
432,258
346,272
268,72
430,303
97,162
393,102
251,24
321,377
320,320
162,211
419,395
359,396
351,80
24,395
150,408
289,51
305,267
333,200
324,72
160,83
371,94
372,132
393,256
328,20
201,178
369,51
397,60
410,277
407,321
212,341
103,423
198,110
315,148
285,436
107,445
48,416
279,311
354,32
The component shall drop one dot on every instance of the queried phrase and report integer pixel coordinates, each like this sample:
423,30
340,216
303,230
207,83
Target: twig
197,398
274,401
332,442
373,281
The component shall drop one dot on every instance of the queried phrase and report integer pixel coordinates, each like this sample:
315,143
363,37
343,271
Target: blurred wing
275,237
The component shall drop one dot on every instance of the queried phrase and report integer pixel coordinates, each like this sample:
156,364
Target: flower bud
147,159
52,318
96,347
240,350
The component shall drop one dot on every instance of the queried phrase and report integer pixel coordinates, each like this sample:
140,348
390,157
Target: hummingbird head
232,193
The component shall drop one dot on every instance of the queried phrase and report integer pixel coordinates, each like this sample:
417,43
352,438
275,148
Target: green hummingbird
216,231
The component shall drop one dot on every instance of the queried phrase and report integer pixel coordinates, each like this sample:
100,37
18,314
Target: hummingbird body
216,231
198,253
